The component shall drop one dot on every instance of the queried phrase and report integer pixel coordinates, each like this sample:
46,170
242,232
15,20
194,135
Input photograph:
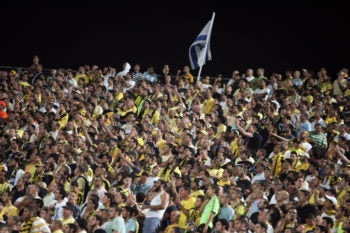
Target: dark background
272,35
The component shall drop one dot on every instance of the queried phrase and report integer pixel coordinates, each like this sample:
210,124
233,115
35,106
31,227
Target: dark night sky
245,34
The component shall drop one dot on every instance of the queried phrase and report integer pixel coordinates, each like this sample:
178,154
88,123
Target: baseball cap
3,168
305,154
332,199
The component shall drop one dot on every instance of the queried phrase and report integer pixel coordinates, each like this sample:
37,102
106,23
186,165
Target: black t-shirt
303,211
244,184
275,215
254,143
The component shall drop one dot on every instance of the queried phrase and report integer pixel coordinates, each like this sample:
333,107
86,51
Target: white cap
305,154
332,199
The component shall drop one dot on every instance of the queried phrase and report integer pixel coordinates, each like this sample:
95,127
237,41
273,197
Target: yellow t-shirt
276,164
187,76
208,105
63,121
156,117
301,166
217,173
347,92
327,86
222,183
309,228
220,130
118,96
3,187
67,221
161,144
187,204
197,193
10,211
234,149
170,228
58,231
239,209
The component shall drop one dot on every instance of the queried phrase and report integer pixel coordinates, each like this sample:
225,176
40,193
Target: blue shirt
150,77
306,126
226,213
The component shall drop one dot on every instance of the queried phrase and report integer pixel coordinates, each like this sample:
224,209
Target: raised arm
242,131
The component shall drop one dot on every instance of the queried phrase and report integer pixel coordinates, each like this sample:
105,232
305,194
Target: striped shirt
137,76
319,139
35,225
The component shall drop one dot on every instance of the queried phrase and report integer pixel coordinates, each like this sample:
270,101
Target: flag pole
206,47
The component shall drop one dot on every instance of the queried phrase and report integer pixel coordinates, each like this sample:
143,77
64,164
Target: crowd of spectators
97,150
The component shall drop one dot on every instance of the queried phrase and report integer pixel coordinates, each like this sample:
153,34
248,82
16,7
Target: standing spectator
155,204
82,225
15,170
256,83
234,79
165,74
71,228
297,81
303,124
221,226
303,205
273,86
211,208
129,83
174,222
317,119
288,221
9,210
187,202
318,138
250,75
226,212
72,199
82,180
260,227
98,187
56,226
136,74
253,138
32,223
208,102
343,132
131,224
262,91
116,220
339,85
68,212
59,202
95,223
150,75
186,75
35,63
